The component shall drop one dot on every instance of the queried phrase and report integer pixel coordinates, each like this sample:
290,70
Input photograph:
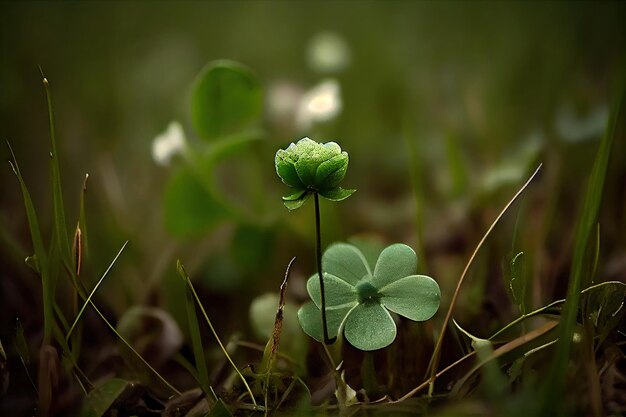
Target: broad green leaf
330,173
310,318
226,98
346,262
369,327
296,204
337,291
337,194
395,262
100,399
189,207
416,297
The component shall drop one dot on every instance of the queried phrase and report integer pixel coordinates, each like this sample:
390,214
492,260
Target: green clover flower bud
310,167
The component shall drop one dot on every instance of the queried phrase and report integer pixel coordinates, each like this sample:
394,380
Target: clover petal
310,318
294,196
416,297
337,291
346,262
336,194
395,262
286,169
297,203
369,326
329,173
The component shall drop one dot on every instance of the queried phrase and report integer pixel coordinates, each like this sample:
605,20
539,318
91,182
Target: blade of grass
196,339
60,225
217,338
40,251
434,361
82,218
95,288
555,383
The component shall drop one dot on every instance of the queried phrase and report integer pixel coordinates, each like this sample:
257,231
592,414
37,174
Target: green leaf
308,155
338,292
226,98
330,173
395,262
310,318
337,194
286,169
296,204
346,262
369,327
416,297
295,196
189,207
102,397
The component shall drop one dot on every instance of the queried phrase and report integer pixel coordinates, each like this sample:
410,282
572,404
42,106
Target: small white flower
320,104
328,52
168,144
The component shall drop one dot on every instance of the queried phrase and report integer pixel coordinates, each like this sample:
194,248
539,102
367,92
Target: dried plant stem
434,361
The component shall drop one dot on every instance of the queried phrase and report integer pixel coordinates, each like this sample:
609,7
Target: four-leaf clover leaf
359,301
310,167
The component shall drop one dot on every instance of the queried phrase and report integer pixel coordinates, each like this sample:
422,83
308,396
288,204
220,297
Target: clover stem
318,256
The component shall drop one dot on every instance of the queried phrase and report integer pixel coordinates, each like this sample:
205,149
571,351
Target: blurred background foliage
444,108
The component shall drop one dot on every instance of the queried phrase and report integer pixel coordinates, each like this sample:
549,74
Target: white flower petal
320,104
168,144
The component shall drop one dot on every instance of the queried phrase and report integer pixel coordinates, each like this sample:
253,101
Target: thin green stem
318,256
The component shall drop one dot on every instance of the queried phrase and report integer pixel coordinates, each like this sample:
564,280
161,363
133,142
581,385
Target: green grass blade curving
196,338
40,251
583,244
217,338
62,239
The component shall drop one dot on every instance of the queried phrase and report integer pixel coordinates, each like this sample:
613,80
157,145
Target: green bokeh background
438,96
